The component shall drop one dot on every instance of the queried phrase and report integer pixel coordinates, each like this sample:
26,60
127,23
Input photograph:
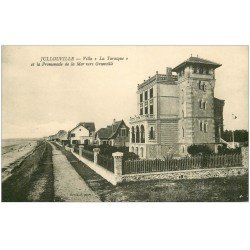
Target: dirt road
54,180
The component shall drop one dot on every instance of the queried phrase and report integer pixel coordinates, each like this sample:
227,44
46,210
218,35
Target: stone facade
177,110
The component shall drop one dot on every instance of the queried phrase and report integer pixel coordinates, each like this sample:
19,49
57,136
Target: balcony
159,78
138,118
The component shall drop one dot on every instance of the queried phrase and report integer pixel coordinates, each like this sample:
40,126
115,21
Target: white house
83,133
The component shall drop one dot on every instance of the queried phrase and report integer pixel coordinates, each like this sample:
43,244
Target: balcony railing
142,117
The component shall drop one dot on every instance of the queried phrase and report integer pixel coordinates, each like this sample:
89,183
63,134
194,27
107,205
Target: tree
239,135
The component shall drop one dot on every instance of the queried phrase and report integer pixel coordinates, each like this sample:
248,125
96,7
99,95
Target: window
72,135
141,109
141,97
151,93
151,133
195,69
204,105
151,108
137,135
207,71
201,126
141,152
200,84
146,108
146,95
201,70
123,132
205,127
142,134
183,132
200,104
204,87
133,134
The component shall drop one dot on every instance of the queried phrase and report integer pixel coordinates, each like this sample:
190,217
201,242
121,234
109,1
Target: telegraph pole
234,118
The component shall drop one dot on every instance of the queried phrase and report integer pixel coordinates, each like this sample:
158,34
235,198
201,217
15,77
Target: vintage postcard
124,123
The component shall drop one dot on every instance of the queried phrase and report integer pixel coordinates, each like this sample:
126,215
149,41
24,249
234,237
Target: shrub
224,150
199,150
108,150
130,156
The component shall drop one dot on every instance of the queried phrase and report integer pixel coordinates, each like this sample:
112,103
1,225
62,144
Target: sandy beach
13,150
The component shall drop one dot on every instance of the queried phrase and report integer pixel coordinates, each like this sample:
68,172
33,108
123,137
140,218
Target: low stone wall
187,174
118,177
109,176
67,148
245,156
60,145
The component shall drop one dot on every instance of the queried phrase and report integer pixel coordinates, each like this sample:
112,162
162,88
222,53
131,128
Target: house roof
61,133
110,131
197,60
104,133
90,126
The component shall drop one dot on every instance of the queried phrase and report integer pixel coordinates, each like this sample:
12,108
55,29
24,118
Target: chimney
169,71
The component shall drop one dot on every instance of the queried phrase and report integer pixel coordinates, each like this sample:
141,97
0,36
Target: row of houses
84,133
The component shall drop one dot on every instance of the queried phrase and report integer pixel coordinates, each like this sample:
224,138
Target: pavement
68,184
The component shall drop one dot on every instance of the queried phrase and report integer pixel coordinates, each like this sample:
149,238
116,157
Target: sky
39,101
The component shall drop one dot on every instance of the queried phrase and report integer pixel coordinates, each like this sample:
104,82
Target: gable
80,131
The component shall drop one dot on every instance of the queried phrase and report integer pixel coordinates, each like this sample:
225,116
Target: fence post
81,147
118,165
244,154
96,152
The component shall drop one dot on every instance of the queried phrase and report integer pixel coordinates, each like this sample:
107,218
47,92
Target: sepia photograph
124,124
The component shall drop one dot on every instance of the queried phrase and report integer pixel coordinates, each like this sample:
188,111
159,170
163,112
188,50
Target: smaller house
52,137
116,134
83,133
62,137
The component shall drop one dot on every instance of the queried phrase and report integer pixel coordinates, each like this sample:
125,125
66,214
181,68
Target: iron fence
187,163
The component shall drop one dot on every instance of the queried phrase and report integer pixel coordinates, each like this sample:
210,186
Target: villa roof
197,60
